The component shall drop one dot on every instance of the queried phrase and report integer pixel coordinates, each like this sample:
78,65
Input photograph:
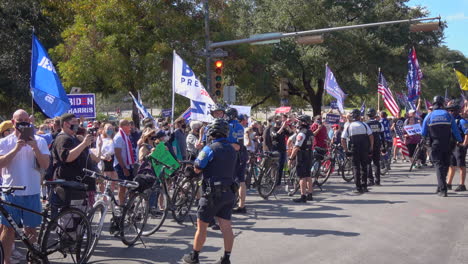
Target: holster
235,187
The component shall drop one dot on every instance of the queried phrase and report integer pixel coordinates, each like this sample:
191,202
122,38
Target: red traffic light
218,64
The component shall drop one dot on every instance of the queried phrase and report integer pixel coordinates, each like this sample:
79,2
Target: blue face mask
110,132
85,124
47,131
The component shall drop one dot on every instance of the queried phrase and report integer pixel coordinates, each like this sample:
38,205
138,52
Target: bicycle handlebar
162,164
125,183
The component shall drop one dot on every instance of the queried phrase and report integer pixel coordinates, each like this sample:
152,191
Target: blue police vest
222,167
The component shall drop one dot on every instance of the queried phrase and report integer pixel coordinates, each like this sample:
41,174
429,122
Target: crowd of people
60,148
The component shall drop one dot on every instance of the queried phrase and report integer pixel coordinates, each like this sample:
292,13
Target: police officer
218,163
361,144
440,127
236,137
459,153
379,143
302,153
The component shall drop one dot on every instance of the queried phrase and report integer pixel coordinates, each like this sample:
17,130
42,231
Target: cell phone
27,133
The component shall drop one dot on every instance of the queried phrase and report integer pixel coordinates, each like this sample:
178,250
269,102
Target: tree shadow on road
306,232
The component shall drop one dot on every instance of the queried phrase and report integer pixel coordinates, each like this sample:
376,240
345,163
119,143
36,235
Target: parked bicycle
126,221
262,172
63,237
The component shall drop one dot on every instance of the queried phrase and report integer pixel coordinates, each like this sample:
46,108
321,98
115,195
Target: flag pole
378,94
173,93
30,78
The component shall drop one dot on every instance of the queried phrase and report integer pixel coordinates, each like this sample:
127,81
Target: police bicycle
64,235
126,221
262,172
166,195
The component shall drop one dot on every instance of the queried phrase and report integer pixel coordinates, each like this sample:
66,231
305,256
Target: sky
455,13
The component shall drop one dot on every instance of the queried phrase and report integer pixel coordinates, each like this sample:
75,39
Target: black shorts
109,165
304,164
458,157
221,207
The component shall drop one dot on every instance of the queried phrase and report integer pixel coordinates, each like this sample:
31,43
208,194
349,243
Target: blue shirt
462,125
440,117
236,132
47,137
386,125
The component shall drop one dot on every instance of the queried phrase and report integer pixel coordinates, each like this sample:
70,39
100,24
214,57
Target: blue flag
333,89
414,76
363,108
46,88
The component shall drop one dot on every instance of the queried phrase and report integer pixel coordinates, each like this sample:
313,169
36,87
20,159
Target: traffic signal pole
272,36
207,46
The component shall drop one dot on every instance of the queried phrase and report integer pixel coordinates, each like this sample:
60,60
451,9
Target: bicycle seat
78,186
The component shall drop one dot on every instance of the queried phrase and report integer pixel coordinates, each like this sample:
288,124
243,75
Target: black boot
191,258
303,199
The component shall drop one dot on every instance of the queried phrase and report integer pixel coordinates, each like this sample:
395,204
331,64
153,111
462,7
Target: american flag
387,96
363,108
399,135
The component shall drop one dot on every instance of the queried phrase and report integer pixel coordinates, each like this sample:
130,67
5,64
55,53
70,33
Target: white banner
200,112
242,109
413,129
187,84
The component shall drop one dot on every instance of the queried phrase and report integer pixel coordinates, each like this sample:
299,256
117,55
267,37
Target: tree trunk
317,100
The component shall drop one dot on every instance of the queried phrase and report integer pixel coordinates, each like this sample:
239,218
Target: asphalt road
402,221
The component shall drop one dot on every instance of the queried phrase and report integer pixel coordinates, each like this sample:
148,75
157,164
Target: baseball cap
5,125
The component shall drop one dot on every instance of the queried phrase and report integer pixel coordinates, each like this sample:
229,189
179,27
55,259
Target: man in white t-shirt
20,161
124,158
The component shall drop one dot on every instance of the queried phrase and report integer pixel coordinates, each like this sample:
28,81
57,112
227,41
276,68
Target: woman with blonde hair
107,153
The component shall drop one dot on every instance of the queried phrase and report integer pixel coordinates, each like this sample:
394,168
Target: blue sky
455,13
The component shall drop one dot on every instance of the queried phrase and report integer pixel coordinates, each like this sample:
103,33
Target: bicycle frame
107,198
32,247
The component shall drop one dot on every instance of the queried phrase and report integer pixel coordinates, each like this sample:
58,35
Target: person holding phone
22,154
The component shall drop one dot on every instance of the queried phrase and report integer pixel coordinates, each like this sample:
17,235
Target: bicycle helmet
232,113
219,128
304,120
218,107
371,112
356,114
438,100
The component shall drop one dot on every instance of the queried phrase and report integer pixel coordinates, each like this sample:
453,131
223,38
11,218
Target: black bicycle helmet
438,100
356,114
304,120
219,128
218,107
232,113
371,112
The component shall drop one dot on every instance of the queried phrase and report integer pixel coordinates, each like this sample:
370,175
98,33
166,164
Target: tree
116,45
349,53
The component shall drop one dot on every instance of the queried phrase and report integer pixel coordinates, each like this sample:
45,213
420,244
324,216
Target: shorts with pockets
21,217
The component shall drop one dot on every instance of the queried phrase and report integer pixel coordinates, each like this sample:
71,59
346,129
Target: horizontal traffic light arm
264,37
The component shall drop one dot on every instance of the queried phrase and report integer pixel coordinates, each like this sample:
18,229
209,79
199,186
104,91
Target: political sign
334,104
413,129
82,105
166,112
332,119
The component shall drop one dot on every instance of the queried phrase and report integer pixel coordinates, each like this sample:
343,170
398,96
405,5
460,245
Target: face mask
85,124
74,128
21,125
273,123
110,132
184,126
47,131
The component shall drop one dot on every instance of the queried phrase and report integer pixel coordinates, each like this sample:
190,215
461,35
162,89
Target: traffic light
218,79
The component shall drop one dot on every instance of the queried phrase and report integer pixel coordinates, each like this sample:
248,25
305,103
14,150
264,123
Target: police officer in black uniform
379,144
218,163
302,152
361,145
440,127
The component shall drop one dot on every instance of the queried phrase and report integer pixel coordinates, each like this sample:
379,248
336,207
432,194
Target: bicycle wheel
158,202
415,157
182,199
267,181
67,237
96,218
293,181
315,171
326,169
347,170
133,219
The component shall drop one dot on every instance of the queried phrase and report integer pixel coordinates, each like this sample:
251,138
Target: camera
92,131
